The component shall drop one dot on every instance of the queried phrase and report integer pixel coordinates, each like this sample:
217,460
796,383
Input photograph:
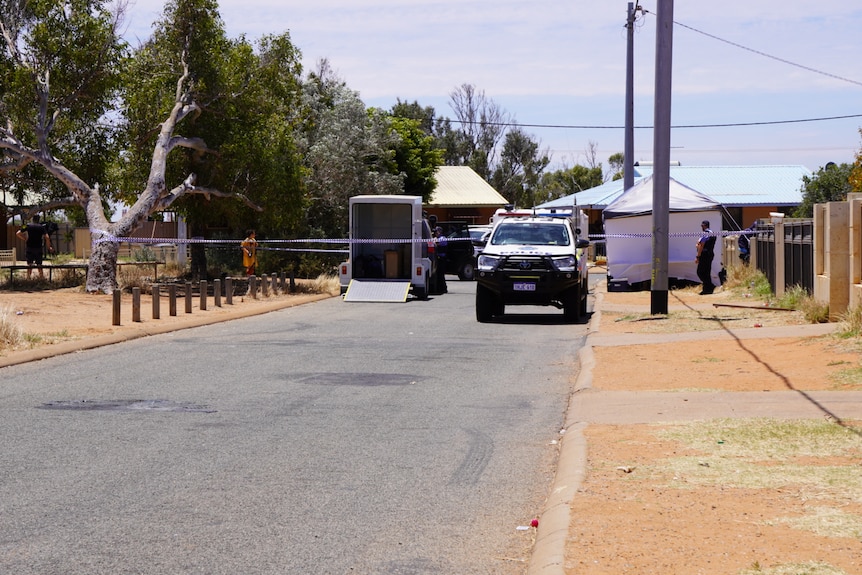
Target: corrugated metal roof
733,186
460,186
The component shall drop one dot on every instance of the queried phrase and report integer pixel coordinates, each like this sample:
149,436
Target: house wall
471,215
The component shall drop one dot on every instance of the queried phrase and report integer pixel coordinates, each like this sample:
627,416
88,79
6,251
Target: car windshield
530,233
478,233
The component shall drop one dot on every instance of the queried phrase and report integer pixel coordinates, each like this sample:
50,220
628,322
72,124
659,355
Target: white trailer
391,250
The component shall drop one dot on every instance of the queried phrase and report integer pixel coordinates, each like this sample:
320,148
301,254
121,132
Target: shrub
10,334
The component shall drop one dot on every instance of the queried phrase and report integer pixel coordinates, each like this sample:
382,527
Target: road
328,438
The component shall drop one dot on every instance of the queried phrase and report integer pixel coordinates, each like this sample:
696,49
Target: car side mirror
583,244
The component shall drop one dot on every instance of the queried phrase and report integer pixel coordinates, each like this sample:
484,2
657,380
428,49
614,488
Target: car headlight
566,263
487,262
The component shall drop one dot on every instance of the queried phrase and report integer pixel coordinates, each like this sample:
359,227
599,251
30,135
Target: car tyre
485,304
583,297
467,271
572,304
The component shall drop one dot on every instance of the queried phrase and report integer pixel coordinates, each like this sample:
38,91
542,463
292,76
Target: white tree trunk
102,273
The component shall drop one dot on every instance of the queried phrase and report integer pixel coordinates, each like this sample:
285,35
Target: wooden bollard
292,282
116,307
252,286
172,300
274,284
203,305
217,293
188,297
157,296
264,285
282,278
228,290
136,304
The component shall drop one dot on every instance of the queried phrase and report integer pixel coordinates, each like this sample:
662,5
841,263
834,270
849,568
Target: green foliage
59,79
416,157
830,183
569,181
346,149
856,171
616,165
521,166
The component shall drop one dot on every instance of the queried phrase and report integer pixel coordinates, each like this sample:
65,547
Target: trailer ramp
377,290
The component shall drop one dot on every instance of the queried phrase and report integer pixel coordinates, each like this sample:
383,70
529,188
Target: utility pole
661,157
629,151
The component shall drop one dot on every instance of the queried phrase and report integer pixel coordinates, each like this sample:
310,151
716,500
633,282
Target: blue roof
733,186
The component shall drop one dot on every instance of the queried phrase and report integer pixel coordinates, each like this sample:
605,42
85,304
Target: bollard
252,286
228,290
136,304
274,284
217,293
203,305
157,295
172,300
282,278
264,285
292,282
116,307
188,297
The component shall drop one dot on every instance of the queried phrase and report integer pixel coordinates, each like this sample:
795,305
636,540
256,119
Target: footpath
592,406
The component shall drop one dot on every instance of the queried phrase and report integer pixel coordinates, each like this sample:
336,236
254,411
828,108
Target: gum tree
64,97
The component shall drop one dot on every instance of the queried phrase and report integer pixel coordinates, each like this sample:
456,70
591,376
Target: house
747,193
463,195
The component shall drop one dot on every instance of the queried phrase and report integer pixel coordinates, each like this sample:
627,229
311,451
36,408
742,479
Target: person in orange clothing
249,253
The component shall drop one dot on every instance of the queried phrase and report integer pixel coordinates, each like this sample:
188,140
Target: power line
680,126
764,54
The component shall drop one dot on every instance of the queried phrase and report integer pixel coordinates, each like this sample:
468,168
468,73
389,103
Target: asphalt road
328,438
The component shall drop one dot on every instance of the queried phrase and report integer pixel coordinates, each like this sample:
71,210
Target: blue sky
562,63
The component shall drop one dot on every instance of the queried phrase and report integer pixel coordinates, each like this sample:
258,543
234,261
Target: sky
767,73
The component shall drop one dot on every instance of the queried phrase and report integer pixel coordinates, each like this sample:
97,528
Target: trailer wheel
422,292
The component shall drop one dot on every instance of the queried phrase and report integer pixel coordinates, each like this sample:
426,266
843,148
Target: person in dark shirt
705,255
744,244
34,234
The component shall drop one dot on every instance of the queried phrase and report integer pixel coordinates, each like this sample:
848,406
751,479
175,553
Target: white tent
628,227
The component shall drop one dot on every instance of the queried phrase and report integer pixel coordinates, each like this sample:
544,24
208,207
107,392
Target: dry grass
810,568
10,334
324,284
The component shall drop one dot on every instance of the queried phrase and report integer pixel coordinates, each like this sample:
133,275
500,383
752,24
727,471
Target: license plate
525,286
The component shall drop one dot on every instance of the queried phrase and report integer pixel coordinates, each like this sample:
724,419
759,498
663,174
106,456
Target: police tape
647,235
106,237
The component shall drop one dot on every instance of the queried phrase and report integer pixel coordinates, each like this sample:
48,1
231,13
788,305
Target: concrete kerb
154,329
549,551
548,557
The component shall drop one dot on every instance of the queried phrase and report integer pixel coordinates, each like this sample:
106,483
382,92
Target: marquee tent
628,229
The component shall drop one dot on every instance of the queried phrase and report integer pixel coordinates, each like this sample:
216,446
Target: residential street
331,437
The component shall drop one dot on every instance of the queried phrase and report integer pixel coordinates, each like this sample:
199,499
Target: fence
784,251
